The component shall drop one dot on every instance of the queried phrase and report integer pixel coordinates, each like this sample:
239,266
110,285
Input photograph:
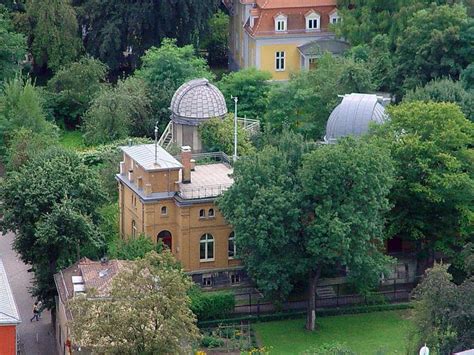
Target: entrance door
166,238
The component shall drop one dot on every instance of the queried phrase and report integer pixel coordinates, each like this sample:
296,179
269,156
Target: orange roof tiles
286,4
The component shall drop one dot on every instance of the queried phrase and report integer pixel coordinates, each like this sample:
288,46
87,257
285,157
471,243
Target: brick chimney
186,157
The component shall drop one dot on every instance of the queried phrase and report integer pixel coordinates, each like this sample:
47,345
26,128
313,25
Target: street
35,337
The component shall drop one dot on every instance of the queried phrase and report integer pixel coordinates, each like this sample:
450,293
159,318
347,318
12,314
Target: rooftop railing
203,191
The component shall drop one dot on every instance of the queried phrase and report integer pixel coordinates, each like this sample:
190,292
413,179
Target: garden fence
252,303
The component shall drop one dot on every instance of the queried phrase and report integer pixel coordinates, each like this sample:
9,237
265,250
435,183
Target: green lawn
362,333
72,139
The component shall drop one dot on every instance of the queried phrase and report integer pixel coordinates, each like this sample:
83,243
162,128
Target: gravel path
36,337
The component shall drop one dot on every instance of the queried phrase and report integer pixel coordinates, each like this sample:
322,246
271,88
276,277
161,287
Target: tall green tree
146,312
216,40
298,215
443,312
51,205
365,19
217,135
21,106
12,48
437,42
251,86
306,101
73,88
165,69
431,144
117,112
444,90
112,26
54,34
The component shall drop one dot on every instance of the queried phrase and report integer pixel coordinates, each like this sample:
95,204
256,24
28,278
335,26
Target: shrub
211,305
329,349
133,248
211,342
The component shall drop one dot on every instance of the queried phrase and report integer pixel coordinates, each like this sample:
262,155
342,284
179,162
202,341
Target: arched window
210,213
202,213
166,238
134,229
206,247
164,211
231,250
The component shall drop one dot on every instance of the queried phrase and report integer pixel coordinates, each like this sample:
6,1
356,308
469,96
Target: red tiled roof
287,4
296,21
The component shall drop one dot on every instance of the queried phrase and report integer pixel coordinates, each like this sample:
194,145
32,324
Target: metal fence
252,303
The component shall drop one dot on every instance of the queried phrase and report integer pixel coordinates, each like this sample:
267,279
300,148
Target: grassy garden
371,333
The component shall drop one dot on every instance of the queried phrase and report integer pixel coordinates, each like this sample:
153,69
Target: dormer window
313,21
280,23
334,18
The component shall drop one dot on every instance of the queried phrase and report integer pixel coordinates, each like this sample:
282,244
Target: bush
211,342
211,305
218,136
132,249
329,349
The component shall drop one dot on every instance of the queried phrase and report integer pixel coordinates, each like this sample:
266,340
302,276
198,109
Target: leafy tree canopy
443,312
432,196
306,101
437,42
216,39
21,105
112,26
301,215
12,48
133,248
117,112
147,311
165,69
444,90
73,88
51,204
217,135
251,87
54,33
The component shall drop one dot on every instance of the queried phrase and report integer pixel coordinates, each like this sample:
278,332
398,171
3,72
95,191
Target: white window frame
232,238
202,213
164,210
334,16
211,213
207,239
314,16
281,23
280,61
134,229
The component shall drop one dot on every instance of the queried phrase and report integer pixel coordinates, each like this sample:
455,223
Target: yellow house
281,36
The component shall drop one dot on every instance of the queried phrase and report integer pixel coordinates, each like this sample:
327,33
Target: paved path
37,337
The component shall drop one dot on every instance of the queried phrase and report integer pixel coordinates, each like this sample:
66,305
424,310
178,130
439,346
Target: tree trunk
313,283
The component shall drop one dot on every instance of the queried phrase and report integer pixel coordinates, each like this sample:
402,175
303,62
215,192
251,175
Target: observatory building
194,103
353,116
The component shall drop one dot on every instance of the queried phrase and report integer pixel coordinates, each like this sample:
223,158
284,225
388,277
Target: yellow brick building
174,202
281,36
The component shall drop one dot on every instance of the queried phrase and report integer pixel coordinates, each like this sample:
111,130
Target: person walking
35,312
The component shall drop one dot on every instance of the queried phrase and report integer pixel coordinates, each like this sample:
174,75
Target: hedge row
211,305
324,312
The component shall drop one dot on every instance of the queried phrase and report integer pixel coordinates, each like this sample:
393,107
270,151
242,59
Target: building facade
173,202
282,36
9,316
